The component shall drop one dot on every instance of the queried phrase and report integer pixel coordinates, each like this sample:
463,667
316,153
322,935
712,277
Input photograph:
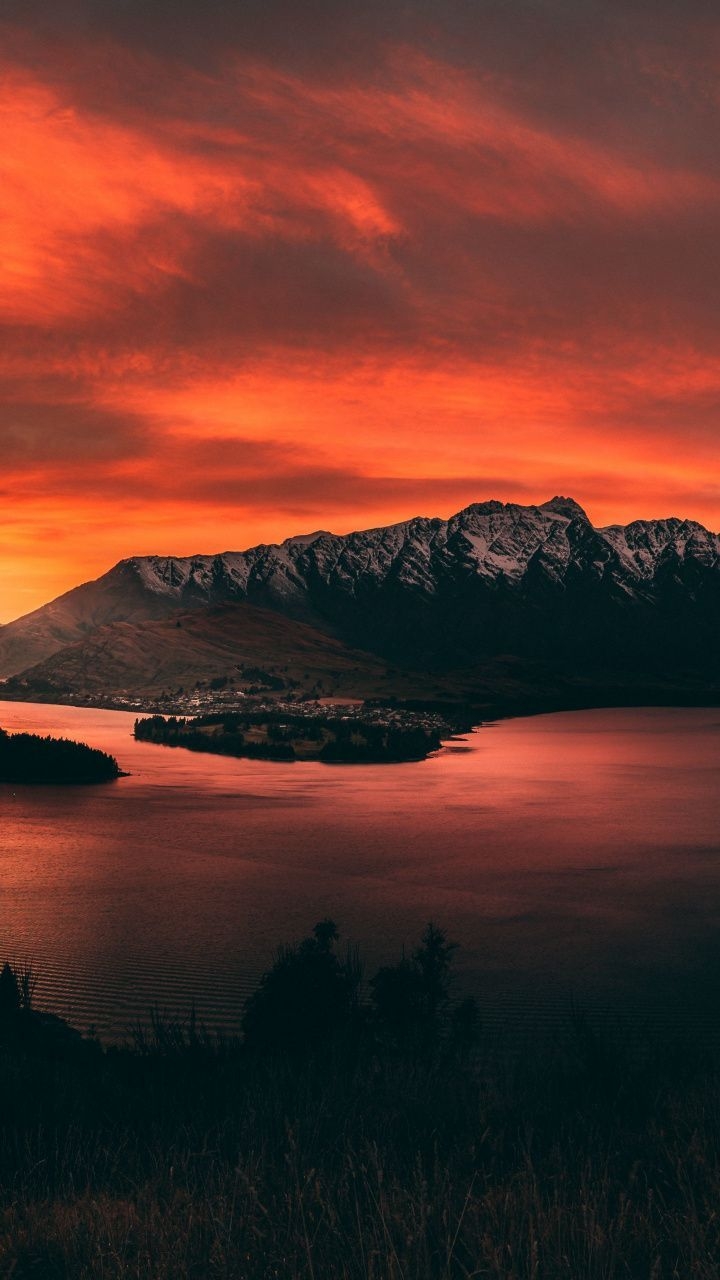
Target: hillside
118,596
243,644
628,605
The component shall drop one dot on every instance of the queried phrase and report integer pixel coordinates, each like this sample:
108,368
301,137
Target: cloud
267,261
50,435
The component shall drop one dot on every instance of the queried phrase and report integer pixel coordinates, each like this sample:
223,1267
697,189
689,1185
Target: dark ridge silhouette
29,758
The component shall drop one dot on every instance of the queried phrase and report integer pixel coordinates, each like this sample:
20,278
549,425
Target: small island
29,758
282,736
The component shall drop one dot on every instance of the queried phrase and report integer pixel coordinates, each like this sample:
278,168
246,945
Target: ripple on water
572,855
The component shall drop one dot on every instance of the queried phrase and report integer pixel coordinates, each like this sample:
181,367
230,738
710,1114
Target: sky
269,267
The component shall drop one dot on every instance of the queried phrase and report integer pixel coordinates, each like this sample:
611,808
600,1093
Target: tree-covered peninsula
373,737
29,758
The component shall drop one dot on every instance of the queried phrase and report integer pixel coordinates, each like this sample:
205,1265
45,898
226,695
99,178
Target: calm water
572,855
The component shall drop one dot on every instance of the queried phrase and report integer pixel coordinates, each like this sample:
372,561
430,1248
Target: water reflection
567,853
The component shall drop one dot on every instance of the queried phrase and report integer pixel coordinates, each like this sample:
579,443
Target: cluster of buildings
202,702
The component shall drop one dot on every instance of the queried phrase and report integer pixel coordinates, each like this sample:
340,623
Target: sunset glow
251,286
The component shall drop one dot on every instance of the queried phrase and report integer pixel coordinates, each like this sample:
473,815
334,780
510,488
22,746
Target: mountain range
440,605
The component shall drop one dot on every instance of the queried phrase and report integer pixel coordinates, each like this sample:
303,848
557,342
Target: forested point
281,736
29,758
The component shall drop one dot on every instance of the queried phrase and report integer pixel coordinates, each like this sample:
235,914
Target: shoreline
481,712
452,723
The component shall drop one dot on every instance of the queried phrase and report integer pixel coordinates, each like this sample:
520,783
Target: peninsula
29,758
331,734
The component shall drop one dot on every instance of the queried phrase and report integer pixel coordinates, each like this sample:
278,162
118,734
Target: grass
186,1157
354,1141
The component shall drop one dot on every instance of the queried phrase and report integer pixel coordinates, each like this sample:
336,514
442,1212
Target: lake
574,856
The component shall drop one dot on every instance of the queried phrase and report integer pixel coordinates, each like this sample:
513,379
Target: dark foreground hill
383,1143
536,585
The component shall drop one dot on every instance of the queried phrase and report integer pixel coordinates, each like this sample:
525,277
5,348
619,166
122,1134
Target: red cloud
260,293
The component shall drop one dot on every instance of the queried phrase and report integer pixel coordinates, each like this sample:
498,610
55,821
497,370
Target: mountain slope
119,595
538,582
239,643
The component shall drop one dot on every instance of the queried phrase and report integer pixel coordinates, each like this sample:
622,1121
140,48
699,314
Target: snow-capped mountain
496,577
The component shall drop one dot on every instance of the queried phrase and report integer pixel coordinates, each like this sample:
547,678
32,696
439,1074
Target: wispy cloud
267,271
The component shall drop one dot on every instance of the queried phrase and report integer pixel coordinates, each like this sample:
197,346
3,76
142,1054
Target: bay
574,856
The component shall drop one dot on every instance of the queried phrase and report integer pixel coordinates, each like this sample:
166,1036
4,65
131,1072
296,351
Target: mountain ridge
536,581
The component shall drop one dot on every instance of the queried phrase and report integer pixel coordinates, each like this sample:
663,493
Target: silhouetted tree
433,960
412,998
464,1025
397,998
10,1001
307,996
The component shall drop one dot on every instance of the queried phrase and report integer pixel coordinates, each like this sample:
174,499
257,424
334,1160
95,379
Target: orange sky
269,273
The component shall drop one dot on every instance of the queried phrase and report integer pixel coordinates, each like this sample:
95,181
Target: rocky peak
565,507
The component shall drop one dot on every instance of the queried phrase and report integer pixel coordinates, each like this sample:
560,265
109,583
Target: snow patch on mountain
554,542
494,577
494,539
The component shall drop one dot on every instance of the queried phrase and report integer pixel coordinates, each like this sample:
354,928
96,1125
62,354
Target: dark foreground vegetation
350,1138
26,757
